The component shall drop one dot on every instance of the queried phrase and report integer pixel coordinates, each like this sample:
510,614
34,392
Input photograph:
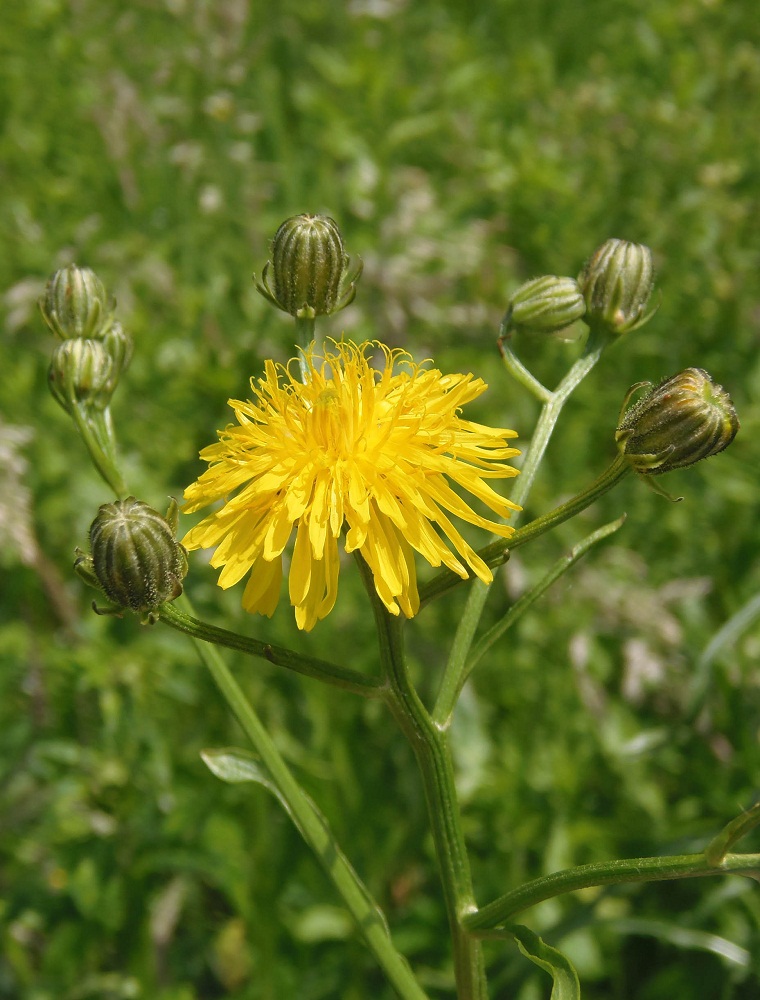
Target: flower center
329,424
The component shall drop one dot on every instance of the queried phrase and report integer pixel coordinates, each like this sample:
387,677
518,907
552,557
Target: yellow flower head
347,446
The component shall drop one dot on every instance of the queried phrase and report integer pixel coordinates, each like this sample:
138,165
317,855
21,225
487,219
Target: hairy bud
309,269
81,371
617,283
75,303
546,304
678,422
136,560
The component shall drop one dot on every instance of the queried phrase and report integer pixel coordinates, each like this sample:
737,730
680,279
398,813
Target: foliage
462,151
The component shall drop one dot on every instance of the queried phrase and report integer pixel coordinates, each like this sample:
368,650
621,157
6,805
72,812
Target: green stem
476,599
91,433
310,823
103,425
316,832
323,670
607,873
305,327
495,553
517,369
431,749
550,414
305,332
455,671
612,475
520,606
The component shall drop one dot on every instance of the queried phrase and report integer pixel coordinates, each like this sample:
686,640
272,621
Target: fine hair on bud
309,273
617,283
678,422
546,304
75,304
138,562
81,371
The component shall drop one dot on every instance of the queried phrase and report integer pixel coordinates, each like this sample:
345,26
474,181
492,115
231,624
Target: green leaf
235,766
566,985
719,846
684,937
321,923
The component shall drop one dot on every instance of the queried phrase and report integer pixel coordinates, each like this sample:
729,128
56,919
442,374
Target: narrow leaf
521,606
565,979
720,845
234,766
684,937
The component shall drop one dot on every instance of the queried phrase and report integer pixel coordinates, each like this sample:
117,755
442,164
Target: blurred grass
462,148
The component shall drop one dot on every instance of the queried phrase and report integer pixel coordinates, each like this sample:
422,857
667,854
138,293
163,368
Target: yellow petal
262,592
381,452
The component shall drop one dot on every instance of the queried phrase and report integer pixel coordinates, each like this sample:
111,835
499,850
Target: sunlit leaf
235,766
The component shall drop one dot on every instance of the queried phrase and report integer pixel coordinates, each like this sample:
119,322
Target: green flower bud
310,270
81,371
546,304
617,283
136,560
75,303
682,420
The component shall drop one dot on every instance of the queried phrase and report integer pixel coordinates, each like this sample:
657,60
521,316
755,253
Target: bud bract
617,283
81,371
682,420
119,345
309,269
546,304
75,303
137,561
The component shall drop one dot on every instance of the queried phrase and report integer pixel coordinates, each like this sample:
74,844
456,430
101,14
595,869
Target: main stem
431,748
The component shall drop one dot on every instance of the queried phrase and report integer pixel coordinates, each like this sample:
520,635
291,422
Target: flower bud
136,560
310,273
75,303
81,372
546,304
682,420
617,283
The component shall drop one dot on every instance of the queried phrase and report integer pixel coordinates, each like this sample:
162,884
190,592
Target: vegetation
462,150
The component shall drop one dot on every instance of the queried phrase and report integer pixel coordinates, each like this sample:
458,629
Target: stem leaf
234,766
519,608
733,832
565,979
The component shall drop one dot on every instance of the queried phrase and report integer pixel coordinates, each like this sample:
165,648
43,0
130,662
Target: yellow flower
354,447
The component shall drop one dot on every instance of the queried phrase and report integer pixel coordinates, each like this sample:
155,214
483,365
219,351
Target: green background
463,148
